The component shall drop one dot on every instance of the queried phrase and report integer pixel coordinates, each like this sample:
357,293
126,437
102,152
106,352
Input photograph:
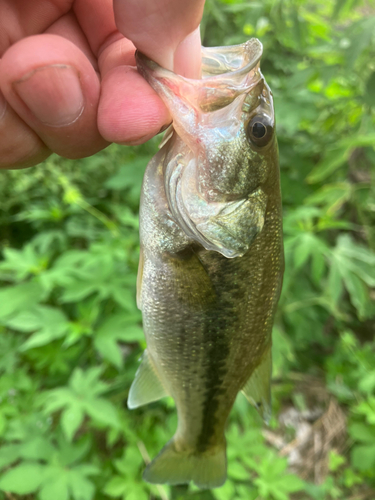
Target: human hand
67,78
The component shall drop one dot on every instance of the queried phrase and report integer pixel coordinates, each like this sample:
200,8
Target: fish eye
260,130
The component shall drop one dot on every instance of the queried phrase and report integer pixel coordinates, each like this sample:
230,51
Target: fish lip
251,52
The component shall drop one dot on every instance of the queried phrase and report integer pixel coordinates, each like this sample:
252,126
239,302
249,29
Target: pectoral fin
257,389
147,386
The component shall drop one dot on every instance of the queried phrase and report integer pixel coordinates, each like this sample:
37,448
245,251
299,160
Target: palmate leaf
50,324
273,481
71,419
80,486
14,299
363,433
360,35
66,484
100,274
369,96
79,399
331,196
119,327
129,177
352,267
363,457
127,484
53,481
22,479
305,245
332,160
21,263
56,488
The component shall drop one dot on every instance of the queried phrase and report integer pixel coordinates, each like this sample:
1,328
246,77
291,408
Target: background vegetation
71,334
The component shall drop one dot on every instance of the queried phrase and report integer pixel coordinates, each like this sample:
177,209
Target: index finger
167,31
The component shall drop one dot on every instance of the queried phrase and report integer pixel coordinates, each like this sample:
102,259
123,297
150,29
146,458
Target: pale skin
68,82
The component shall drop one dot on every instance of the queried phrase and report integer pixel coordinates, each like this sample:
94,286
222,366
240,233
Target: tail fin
207,470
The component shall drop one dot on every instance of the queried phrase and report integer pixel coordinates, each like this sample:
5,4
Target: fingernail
53,94
3,105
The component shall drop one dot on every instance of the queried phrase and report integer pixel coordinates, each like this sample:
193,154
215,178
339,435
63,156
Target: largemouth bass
211,261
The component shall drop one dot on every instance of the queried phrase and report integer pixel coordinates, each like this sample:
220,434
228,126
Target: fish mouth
227,72
237,60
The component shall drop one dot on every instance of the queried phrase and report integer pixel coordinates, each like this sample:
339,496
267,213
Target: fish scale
211,259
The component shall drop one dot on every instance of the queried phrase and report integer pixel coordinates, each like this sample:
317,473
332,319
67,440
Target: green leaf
71,419
335,284
339,4
22,263
129,177
363,457
103,411
238,472
81,398
130,462
137,492
25,321
306,245
53,324
363,433
332,160
9,454
86,383
81,487
318,266
56,489
369,96
367,383
36,448
113,330
225,492
290,483
360,35
357,291
22,479
116,486
332,196
19,297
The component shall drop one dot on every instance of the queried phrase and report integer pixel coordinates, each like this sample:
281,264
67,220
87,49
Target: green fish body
211,262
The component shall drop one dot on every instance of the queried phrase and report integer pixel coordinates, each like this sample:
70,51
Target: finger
53,87
20,147
21,18
68,27
165,30
130,112
97,21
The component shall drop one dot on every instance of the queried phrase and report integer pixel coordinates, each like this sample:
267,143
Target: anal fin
147,386
257,389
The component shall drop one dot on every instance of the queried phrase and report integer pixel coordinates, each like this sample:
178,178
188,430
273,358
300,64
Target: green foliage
71,333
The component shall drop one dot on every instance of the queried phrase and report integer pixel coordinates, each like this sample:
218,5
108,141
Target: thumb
166,31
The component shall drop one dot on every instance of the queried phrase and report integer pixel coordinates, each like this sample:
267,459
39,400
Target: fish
211,260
